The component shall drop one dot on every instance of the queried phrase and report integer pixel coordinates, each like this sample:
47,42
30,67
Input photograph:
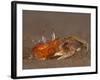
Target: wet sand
39,23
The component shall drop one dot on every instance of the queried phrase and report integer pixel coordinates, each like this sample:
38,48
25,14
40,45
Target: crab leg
69,54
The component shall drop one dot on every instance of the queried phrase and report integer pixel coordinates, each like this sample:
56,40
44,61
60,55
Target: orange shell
43,51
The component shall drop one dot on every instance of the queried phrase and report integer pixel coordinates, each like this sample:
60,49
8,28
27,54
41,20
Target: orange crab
58,47
43,51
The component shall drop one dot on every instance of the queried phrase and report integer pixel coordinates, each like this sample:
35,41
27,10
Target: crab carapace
43,51
58,47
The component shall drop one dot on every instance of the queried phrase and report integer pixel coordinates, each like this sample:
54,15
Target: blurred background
41,23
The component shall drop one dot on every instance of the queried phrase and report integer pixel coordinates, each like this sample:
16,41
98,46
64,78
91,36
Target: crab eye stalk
43,39
53,36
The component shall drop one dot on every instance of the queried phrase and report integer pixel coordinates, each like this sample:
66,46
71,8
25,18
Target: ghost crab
58,47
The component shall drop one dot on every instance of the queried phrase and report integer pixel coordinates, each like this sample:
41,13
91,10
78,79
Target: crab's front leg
62,57
63,54
66,55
